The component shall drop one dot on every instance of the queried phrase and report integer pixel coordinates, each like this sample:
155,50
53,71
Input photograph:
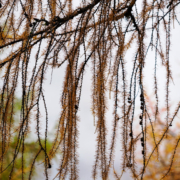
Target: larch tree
38,36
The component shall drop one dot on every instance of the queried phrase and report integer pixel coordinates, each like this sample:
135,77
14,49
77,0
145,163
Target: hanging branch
38,36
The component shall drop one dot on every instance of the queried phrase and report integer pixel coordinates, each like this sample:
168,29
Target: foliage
164,162
55,34
31,150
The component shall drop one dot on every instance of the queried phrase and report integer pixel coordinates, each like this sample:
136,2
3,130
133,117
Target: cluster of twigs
59,35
